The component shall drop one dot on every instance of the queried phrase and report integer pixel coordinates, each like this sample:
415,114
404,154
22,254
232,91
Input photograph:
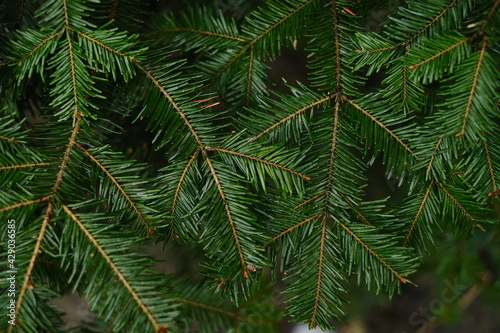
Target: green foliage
271,183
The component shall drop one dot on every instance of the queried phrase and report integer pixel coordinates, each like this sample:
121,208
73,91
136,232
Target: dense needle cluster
269,183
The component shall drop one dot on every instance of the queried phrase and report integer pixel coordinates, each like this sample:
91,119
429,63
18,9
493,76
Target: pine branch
260,160
311,199
250,74
140,215
205,308
381,125
358,212
293,114
105,44
404,90
373,50
203,32
480,174
29,165
440,53
318,288
288,215
234,231
473,90
456,202
295,226
7,139
174,104
332,154
65,10
491,12
331,44
73,77
259,29
337,48
21,204
35,48
373,252
418,214
243,59
65,158
472,84
124,280
423,19
443,53
435,19
183,177
31,263
200,27
463,210
496,189
277,14
428,168
236,315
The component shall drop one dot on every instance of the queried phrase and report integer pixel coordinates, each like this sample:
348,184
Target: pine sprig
481,169
33,48
200,28
31,263
424,19
240,225
323,274
116,176
369,251
429,64
145,295
272,25
384,125
421,210
294,119
472,98
374,50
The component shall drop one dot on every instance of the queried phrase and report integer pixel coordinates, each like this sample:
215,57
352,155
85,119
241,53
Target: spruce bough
269,183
